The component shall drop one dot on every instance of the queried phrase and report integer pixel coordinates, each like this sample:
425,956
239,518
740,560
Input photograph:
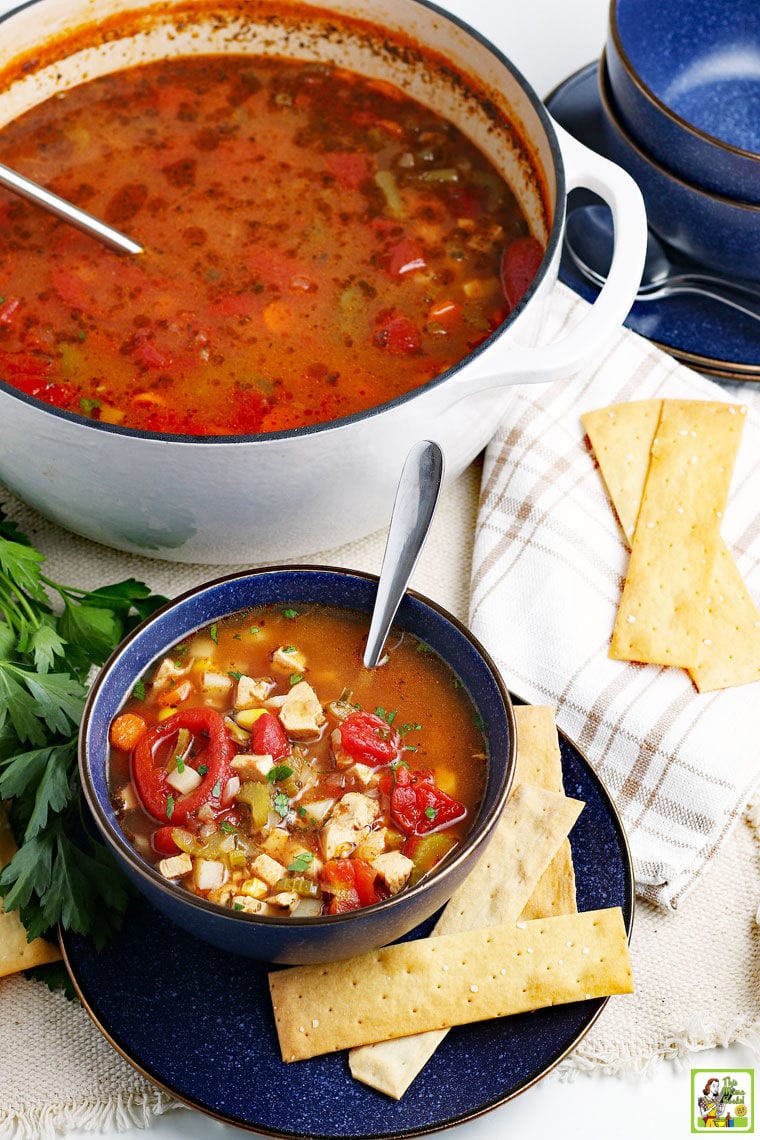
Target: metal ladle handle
33,192
413,508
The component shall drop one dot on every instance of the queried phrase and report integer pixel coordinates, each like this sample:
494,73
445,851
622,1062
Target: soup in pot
264,769
315,244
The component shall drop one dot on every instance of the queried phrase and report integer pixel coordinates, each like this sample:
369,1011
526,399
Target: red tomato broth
315,244
409,724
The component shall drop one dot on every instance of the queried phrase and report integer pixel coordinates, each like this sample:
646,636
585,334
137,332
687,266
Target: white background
547,40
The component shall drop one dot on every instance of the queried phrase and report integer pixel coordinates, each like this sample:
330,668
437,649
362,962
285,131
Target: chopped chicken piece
365,775
277,843
251,691
208,874
185,781
248,905
222,895
348,824
128,797
268,869
315,811
285,900
215,682
250,766
176,866
301,714
372,846
394,869
168,671
289,658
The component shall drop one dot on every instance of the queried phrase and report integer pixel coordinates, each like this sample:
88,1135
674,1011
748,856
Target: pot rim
474,840
550,252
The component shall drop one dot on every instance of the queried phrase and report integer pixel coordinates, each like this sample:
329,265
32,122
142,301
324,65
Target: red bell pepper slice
268,737
149,764
350,882
369,739
519,265
418,806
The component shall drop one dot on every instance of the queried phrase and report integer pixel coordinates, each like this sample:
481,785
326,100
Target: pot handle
585,168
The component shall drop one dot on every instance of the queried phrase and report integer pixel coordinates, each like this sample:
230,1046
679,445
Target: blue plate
704,334
199,1022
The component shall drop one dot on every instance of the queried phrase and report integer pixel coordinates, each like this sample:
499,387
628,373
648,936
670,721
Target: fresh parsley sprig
51,635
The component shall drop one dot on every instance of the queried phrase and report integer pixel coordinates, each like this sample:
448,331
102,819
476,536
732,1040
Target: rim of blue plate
575,769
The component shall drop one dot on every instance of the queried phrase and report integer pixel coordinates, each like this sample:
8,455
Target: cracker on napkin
729,649
452,979
16,953
502,887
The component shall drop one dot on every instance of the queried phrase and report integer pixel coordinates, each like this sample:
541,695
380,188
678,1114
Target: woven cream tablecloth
697,969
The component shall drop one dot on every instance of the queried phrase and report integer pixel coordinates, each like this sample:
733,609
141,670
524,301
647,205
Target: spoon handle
413,508
742,306
33,192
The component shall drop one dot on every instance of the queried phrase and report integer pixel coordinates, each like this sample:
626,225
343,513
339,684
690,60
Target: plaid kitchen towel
548,565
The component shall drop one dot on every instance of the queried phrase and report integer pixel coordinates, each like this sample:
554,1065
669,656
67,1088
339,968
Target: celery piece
306,888
429,851
256,795
387,183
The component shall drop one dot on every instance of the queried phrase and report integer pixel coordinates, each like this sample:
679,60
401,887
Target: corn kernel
164,714
254,888
246,718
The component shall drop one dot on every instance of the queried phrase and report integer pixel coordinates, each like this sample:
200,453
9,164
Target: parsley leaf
48,645
279,772
301,862
281,804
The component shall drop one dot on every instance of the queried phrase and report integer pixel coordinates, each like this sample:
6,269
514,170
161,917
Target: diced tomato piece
404,257
398,335
268,737
27,364
418,806
447,313
369,739
348,168
163,842
146,353
519,265
350,882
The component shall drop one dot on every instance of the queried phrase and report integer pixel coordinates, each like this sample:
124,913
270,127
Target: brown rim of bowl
611,111
475,840
663,108
710,365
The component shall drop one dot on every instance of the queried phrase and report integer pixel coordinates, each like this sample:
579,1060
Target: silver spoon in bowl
589,241
413,509
33,192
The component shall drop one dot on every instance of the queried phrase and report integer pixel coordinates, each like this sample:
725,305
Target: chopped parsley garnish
87,407
214,633
227,828
255,629
202,769
431,812
169,806
290,614
281,804
289,649
422,648
234,674
279,772
216,791
138,691
237,906
295,678
180,764
404,728
388,717
301,862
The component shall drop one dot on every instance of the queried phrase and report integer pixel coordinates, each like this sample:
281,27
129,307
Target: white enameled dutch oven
252,499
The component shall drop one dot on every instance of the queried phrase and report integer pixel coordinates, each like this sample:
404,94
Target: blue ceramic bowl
686,79
295,940
715,231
